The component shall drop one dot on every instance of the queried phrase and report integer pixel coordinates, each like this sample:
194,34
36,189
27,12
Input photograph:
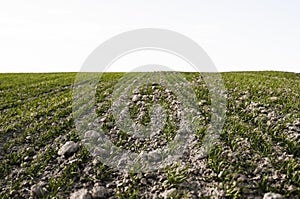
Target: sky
58,36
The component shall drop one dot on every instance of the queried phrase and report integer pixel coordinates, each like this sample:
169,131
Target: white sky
55,36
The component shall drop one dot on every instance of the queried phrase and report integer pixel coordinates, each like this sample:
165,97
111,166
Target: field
256,155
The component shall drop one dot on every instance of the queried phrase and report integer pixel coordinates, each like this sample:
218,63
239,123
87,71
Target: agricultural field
257,154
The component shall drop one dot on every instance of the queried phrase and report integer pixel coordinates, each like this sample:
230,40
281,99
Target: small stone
110,125
13,192
122,163
155,157
242,178
264,111
81,194
202,102
273,98
99,192
91,125
92,134
111,185
26,158
144,181
167,193
37,191
154,189
168,91
135,91
24,164
150,175
97,151
144,97
95,161
68,148
294,128
272,196
135,98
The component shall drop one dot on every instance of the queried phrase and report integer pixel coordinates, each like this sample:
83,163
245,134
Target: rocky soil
257,154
